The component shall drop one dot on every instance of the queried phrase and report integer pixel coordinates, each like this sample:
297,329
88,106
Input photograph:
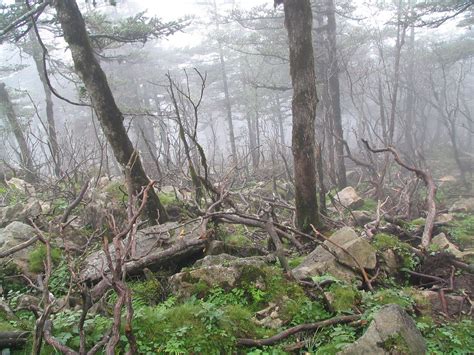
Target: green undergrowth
167,198
403,250
462,230
37,257
447,338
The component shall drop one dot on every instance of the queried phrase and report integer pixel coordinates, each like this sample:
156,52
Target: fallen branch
297,329
13,339
18,247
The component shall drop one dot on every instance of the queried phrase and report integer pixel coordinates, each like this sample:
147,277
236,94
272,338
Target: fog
404,79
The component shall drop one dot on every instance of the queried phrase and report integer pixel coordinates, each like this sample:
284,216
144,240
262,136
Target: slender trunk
26,158
410,117
281,123
109,115
401,31
334,92
298,21
51,125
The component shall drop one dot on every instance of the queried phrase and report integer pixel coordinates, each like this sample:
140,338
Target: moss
8,283
200,289
167,198
384,241
237,240
418,222
462,230
343,297
117,191
396,344
6,326
37,257
402,298
403,250
368,205
149,291
294,262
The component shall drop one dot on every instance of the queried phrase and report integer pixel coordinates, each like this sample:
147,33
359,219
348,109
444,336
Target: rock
363,217
447,179
358,247
155,246
429,303
215,247
349,198
19,212
225,271
390,261
14,234
463,205
335,261
392,331
269,317
22,185
444,218
442,242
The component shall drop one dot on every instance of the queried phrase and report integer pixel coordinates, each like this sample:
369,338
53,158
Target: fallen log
13,339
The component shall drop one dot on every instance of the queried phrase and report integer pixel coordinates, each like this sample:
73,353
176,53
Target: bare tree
26,157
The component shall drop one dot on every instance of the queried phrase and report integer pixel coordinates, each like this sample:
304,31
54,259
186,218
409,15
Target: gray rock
12,235
333,260
222,270
390,260
363,217
463,205
215,247
19,212
429,303
444,218
349,198
392,331
22,185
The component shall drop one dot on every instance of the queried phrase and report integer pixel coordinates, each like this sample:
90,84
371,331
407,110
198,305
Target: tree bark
26,158
298,22
109,115
335,97
51,125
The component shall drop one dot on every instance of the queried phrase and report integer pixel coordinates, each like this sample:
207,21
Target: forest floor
224,288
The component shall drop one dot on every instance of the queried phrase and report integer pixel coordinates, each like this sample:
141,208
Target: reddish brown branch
297,329
430,185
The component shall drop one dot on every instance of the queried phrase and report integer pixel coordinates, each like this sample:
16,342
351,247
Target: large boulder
223,270
349,198
12,235
392,331
465,205
155,246
19,212
22,186
331,259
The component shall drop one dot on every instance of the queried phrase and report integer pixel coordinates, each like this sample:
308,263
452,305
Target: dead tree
424,175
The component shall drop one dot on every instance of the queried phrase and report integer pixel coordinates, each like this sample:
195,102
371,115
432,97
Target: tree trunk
109,115
298,21
334,93
51,125
26,158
